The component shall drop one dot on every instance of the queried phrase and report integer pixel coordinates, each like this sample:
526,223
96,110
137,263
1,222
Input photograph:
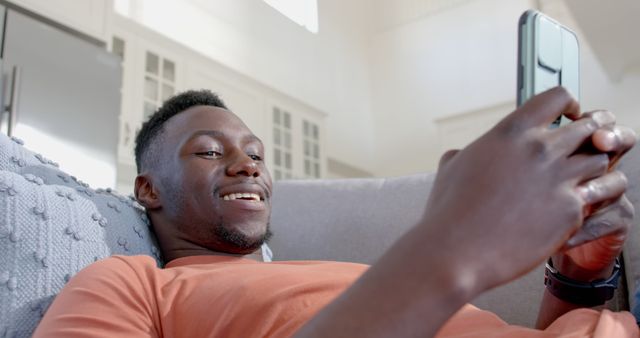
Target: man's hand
590,253
497,209
516,195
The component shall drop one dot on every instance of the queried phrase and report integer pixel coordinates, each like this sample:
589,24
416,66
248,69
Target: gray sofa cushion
353,220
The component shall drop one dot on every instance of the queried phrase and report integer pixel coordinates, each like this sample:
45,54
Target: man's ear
146,193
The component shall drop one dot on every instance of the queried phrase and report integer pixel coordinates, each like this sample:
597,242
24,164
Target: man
519,194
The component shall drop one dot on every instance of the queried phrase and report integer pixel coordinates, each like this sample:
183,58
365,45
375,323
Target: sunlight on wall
123,7
89,166
302,12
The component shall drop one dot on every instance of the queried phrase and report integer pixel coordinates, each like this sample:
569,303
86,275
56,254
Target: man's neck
179,253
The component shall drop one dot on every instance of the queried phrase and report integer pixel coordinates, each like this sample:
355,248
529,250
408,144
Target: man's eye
210,153
255,157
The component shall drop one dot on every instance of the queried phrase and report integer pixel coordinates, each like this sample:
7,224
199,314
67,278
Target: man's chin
238,242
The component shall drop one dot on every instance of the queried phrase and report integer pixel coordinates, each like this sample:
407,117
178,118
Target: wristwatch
582,293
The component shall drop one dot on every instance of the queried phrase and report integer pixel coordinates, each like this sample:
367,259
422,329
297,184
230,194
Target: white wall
445,76
452,61
618,90
328,71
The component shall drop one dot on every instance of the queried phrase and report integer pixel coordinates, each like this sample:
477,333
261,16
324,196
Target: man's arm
106,299
590,254
497,209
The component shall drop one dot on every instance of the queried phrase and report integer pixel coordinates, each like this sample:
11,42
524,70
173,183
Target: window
282,158
302,12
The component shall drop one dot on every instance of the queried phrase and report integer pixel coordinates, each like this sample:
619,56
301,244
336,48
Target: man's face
214,185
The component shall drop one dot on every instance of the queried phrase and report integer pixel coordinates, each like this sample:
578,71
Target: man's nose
242,164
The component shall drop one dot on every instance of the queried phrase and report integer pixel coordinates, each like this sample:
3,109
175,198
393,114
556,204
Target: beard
238,241
213,233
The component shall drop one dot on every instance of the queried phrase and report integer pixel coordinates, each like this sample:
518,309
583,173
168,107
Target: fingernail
603,118
609,140
571,242
583,191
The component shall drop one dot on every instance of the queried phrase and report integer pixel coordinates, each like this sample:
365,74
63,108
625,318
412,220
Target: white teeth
235,196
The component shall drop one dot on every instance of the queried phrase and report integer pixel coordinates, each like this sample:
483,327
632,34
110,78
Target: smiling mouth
246,196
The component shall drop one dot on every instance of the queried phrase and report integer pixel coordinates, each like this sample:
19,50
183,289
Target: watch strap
582,293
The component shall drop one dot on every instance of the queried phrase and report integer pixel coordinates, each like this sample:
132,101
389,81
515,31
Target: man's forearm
552,308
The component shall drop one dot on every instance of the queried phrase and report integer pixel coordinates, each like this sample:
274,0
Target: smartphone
548,56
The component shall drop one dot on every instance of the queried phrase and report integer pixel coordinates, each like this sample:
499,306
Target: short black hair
153,127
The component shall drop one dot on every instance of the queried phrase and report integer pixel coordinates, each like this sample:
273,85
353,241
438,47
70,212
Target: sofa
52,225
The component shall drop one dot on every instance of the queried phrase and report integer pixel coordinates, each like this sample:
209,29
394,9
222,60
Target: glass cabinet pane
117,47
152,63
287,140
276,136
168,70
307,148
276,116
276,157
287,160
315,132
287,120
150,88
149,109
167,91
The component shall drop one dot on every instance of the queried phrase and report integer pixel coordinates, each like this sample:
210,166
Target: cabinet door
282,141
123,45
311,148
67,98
295,141
151,75
158,79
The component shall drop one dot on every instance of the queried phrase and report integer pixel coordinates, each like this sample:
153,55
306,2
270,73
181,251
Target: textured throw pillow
52,226
47,234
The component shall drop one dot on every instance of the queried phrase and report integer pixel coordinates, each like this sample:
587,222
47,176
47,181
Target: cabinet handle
127,134
12,107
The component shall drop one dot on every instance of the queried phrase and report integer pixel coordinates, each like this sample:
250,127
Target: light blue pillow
47,234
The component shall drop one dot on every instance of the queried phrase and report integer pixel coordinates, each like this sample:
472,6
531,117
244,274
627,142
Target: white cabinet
152,72
86,16
155,68
290,130
294,147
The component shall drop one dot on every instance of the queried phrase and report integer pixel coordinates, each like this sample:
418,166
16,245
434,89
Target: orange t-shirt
220,296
